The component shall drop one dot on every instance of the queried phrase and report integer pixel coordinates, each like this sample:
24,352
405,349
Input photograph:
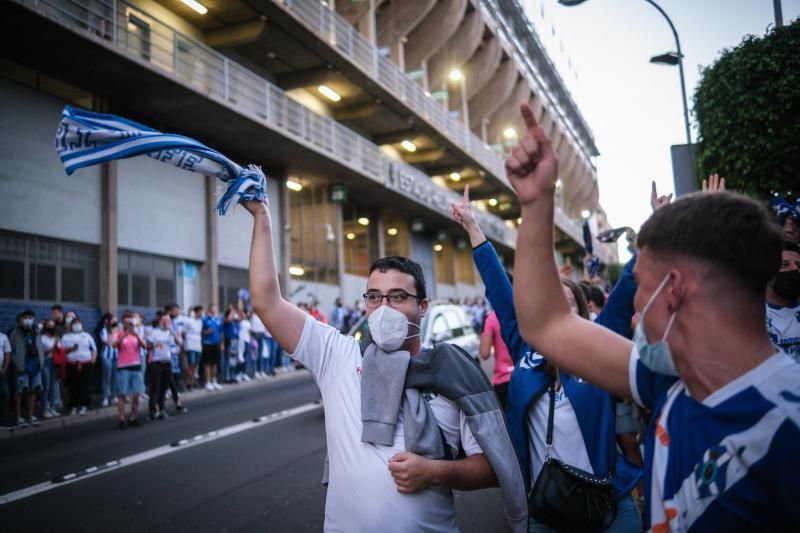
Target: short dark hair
791,246
728,230
596,296
28,312
197,308
404,265
57,307
580,299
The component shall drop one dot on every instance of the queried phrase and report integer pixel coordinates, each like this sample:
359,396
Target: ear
423,308
676,287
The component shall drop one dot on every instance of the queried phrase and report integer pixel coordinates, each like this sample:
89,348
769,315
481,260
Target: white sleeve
468,442
320,347
92,345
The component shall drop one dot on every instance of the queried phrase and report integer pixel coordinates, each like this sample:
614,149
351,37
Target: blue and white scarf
87,138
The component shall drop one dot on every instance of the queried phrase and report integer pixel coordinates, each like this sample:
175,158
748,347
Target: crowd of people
48,367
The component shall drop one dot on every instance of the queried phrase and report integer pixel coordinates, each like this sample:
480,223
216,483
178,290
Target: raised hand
532,167
714,183
656,201
462,213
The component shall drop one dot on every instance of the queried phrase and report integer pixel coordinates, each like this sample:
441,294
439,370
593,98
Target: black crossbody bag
566,498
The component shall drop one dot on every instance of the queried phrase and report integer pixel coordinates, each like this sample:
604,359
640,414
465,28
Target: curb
98,413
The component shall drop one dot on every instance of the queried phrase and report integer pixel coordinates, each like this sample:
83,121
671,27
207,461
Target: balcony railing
133,33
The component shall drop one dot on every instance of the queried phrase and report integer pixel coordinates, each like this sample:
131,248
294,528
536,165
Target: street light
670,58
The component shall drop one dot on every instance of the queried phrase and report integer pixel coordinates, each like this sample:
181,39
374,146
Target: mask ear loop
669,326
654,296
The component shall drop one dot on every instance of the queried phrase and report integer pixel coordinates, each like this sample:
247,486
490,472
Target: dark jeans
5,406
160,378
79,379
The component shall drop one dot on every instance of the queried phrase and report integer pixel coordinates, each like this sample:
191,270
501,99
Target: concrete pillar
366,24
209,272
339,232
284,277
109,296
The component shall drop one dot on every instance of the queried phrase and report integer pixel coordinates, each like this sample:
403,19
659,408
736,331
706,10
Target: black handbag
566,498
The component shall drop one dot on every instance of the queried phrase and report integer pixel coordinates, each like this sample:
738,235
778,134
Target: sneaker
122,424
162,416
210,386
134,423
33,421
145,396
22,423
74,411
105,402
47,413
216,385
182,409
245,377
83,410
54,413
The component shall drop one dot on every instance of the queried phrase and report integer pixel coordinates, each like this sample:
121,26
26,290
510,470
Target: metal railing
341,35
133,33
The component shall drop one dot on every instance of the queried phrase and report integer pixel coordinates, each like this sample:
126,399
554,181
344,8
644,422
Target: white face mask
389,328
77,328
656,355
68,320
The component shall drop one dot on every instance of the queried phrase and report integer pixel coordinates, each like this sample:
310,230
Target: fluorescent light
493,202
519,220
364,221
438,248
197,6
409,146
559,183
510,133
392,231
350,236
329,93
427,93
586,213
294,185
456,75
296,270
455,176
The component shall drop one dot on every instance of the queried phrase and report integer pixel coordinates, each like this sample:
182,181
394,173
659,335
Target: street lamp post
669,58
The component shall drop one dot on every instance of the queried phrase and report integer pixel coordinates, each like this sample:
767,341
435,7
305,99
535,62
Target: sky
602,50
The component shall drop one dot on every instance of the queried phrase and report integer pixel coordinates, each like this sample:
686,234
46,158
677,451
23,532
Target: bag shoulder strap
550,416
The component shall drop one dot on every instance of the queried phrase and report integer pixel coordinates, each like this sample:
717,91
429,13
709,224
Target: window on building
138,35
313,221
230,281
146,280
35,268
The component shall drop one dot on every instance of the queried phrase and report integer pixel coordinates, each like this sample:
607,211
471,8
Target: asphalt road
246,459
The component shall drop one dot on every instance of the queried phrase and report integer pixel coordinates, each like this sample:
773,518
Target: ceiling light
197,6
438,247
519,220
350,236
559,183
364,221
455,176
392,231
493,202
456,75
510,133
408,146
295,270
329,93
294,185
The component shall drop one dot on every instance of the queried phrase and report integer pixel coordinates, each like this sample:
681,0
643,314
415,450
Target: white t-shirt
163,340
244,330
258,326
193,334
5,348
362,495
85,344
44,343
568,444
783,326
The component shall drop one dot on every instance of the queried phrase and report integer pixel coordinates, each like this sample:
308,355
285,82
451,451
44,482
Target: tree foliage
747,106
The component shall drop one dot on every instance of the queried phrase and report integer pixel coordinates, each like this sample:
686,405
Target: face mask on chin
656,356
787,285
389,328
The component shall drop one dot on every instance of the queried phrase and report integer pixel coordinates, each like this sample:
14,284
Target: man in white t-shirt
783,302
193,344
371,487
723,445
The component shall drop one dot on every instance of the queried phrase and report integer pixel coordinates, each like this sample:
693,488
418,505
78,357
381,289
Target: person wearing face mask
108,328
230,333
783,302
81,355
163,341
723,442
48,342
583,421
372,487
28,364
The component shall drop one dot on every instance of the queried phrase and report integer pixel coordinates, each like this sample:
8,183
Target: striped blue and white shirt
728,463
109,352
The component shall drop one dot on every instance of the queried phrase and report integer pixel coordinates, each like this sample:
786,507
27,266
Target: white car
443,322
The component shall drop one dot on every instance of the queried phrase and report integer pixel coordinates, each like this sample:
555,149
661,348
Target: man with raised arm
723,449
374,483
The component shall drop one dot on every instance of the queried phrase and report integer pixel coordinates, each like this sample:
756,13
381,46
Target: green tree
747,106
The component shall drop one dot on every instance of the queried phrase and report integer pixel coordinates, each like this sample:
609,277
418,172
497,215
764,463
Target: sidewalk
111,411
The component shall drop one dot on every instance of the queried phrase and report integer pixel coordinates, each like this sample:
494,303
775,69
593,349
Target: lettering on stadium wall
421,189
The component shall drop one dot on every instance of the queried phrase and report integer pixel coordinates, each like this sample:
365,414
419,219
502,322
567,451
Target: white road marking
147,455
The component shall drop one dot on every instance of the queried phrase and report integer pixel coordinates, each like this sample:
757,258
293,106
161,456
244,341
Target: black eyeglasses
396,298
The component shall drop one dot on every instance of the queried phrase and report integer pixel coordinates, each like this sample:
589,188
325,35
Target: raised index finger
466,195
527,116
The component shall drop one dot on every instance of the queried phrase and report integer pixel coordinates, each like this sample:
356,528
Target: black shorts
210,355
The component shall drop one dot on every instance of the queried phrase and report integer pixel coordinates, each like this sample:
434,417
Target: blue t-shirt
231,330
728,463
214,323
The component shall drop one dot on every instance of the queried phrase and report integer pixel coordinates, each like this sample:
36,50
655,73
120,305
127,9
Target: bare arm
545,319
412,472
485,347
282,319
